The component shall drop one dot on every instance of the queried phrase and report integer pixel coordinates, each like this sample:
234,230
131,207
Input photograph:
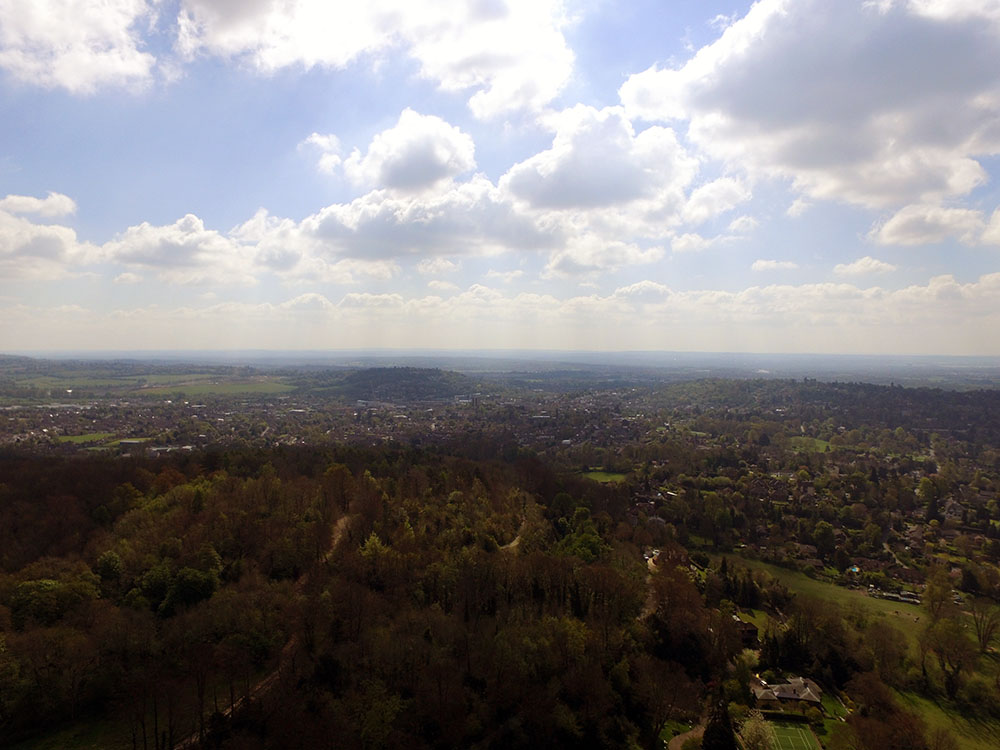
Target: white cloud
798,207
714,198
991,235
863,266
328,147
418,152
743,224
842,98
471,218
436,266
643,291
54,204
925,224
442,286
597,160
36,251
690,243
309,302
505,276
512,55
127,278
184,252
773,265
940,316
591,254
74,44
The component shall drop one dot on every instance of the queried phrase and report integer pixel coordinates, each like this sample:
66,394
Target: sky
801,176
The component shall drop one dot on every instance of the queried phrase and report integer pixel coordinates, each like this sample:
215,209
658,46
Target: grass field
262,387
168,379
971,735
604,476
89,437
794,736
808,444
908,618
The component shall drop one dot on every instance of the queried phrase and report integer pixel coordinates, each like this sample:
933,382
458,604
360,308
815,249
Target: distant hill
400,384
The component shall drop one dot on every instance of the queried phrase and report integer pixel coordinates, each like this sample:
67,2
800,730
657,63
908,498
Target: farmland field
222,388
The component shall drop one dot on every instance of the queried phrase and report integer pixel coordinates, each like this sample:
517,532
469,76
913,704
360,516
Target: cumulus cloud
925,224
798,207
73,44
991,235
598,160
183,252
436,266
328,146
511,55
470,218
504,276
418,152
863,266
743,224
36,251
643,291
127,278
54,204
690,243
370,235
842,98
590,254
714,198
442,286
773,265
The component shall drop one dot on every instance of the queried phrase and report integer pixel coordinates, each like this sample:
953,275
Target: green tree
719,734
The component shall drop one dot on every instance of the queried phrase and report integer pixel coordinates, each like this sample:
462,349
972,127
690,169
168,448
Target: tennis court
792,736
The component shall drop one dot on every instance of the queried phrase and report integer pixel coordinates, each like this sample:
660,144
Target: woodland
480,593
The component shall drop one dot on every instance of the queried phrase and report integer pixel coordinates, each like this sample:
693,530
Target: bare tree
986,620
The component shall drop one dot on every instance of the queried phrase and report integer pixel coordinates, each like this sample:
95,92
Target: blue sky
779,176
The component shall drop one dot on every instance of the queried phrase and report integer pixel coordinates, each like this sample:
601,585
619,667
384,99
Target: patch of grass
971,735
756,616
832,706
908,618
808,444
89,437
673,728
604,476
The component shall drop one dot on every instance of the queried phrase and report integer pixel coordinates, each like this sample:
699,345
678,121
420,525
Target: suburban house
797,692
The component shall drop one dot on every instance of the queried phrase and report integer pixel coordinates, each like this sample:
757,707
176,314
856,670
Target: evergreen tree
719,733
